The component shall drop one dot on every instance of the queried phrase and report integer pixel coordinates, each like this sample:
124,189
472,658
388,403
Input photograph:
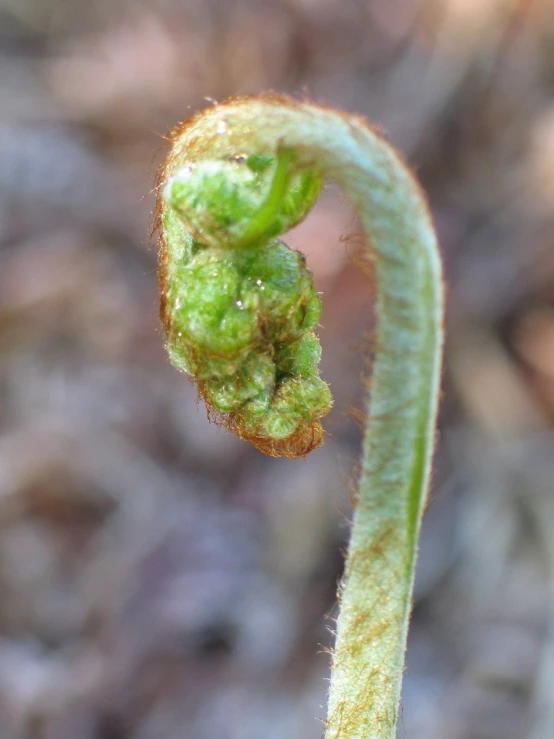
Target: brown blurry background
159,579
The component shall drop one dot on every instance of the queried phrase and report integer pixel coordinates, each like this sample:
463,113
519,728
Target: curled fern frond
238,306
240,309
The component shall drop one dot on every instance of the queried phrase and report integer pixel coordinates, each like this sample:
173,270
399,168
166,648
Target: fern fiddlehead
239,309
239,306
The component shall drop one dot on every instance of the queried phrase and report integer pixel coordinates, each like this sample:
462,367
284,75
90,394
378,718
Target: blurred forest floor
159,579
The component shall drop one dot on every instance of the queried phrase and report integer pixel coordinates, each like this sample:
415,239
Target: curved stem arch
377,587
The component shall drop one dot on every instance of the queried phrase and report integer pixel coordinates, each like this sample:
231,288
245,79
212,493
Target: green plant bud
299,358
297,402
210,313
313,397
255,378
279,423
252,414
290,303
238,202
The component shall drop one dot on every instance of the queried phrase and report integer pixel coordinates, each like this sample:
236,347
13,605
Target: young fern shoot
240,310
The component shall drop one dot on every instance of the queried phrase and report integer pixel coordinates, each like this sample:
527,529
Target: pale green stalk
377,589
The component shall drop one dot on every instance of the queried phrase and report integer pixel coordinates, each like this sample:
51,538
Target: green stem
377,589
277,190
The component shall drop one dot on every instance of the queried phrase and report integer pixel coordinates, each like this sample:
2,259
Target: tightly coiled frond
238,306
237,176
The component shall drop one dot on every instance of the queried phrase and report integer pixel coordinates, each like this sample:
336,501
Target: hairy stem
377,588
